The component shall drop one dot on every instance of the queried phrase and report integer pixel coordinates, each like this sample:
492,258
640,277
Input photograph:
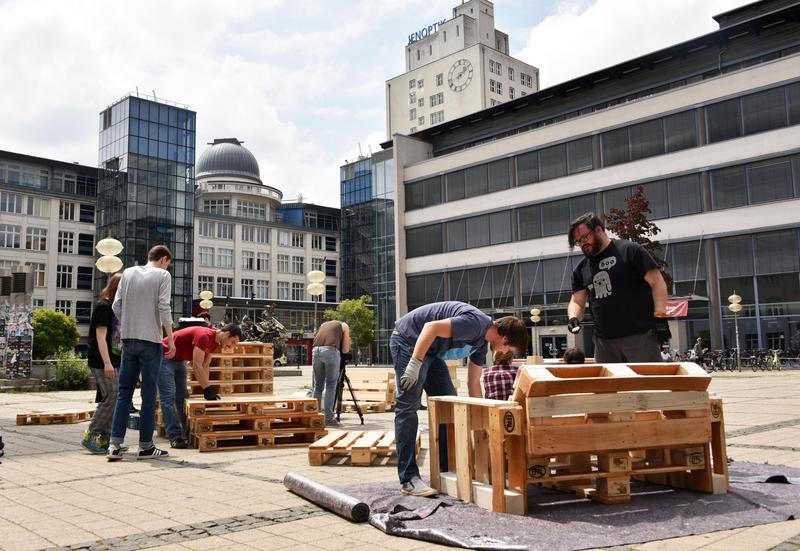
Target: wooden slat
463,451
543,440
435,409
565,404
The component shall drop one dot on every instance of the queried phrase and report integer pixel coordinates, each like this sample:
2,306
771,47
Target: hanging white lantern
206,295
315,276
206,304
108,264
735,307
734,298
315,289
109,247
535,311
536,319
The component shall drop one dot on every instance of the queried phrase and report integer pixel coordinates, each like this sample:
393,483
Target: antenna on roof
154,95
369,148
137,91
360,154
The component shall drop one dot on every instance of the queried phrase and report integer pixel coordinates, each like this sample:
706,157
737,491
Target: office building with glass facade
368,240
145,193
708,127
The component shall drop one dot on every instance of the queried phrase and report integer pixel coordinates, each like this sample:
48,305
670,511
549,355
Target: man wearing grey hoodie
142,305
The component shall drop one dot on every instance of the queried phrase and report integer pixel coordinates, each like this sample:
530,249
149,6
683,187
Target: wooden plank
555,440
566,404
435,408
463,451
497,458
514,502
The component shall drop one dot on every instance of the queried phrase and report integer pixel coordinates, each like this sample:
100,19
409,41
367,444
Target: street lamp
735,306
109,262
206,297
535,318
315,289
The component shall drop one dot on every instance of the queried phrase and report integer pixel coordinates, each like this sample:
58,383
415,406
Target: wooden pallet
240,360
236,374
258,423
233,388
52,417
249,405
362,447
374,389
366,407
239,440
251,348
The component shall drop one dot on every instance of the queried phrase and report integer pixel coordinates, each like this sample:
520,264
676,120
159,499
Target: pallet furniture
452,366
362,447
54,416
246,368
375,390
242,422
591,428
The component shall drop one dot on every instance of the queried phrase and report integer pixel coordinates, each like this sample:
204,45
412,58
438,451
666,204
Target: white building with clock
454,68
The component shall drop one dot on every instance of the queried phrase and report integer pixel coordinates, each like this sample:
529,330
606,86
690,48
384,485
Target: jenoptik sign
424,32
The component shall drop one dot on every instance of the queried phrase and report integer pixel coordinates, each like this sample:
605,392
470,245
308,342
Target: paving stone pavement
54,495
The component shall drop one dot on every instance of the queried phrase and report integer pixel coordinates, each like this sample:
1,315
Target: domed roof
227,157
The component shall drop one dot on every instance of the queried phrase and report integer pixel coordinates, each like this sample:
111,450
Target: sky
301,82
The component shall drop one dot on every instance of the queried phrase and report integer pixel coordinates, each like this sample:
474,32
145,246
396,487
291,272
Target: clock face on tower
460,75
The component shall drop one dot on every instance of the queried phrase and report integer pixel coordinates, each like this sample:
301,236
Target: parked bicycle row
726,360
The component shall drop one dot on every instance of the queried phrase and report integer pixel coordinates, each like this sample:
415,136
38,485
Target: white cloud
582,36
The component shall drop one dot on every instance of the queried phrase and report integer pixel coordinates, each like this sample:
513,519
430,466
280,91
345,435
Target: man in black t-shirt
625,290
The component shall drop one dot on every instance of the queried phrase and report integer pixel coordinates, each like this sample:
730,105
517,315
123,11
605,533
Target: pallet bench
590,429
52,417
362,447
374,389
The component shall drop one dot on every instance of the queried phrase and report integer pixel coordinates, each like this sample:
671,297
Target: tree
53,333
632,223
360,318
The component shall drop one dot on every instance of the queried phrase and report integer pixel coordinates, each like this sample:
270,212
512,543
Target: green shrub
72,372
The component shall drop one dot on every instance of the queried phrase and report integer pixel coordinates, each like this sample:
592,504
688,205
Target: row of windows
258,288
83,277
770,109
256,234
745,184
36,240
17,203
74,184
244,209
83,309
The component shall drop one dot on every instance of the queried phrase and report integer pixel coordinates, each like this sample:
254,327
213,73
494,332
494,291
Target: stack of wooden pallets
374,389
243,369
590,429
246,422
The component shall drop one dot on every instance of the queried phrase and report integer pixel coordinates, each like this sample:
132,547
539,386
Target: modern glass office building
146,185
368,244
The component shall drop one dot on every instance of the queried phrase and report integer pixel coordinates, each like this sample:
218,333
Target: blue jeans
325,361
172,392
138,357
434,379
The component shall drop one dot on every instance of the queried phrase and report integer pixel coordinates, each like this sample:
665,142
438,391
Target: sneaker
416,487
152,453
114,453
93,445
179,444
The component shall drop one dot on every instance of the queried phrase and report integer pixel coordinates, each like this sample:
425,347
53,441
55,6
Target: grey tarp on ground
561,521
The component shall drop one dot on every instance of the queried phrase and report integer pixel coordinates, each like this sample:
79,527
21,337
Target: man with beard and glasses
625,290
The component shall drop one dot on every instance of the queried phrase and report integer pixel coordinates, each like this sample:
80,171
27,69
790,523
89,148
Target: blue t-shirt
469,330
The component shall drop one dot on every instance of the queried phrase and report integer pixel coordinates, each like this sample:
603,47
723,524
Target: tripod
343,378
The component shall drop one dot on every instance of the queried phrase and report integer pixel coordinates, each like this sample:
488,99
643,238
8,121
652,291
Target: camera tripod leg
353,396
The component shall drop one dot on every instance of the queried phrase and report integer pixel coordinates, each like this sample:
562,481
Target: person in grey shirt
143,308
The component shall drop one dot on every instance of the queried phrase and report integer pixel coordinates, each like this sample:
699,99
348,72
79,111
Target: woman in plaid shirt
498,380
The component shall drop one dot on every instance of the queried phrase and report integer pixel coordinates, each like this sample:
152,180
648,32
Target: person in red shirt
193,344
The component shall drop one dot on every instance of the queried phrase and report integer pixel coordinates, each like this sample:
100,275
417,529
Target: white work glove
409,378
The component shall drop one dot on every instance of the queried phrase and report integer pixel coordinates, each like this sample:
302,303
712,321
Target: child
498,380
574,356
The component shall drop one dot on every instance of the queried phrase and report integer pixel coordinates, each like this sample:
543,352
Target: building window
205,283
511,92
298,240
64,306
526,80
330,268
316,264
251,209
439,79
492,86
491,66
225,258
36,239
66,210
39,207
225,231
86,244
421,102
207,228
421,120
283,238
262,262
412,98
330,293
217,206
437,99
255,234
498,68
247,288
437,117
298,265
248,260
500,88
38,303
412,84
10,202
283,263
10,236
297,291
412,114
83,311
84,279
66,242
317,242
420,83
206,256
262,288
330,243
64,276
510,73
86,213
413,129
224,286
283,290
39,273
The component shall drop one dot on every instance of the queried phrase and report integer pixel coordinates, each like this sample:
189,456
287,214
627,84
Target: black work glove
574,326
210,394
347,357
663,334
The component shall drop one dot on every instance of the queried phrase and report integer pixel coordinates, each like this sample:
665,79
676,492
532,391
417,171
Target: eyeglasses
583,238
